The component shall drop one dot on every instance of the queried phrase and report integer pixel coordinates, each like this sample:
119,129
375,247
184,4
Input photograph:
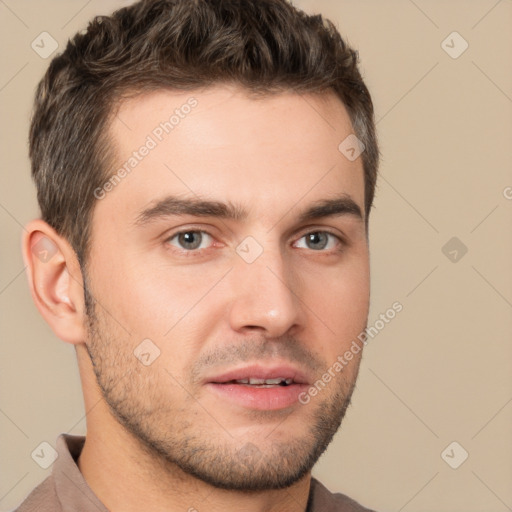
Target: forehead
221,142
228,112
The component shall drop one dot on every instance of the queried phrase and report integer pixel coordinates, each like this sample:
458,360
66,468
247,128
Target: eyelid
186,229
203,232
323,229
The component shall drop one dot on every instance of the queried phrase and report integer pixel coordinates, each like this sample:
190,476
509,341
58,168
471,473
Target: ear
55,280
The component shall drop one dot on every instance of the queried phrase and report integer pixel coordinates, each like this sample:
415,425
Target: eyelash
198,252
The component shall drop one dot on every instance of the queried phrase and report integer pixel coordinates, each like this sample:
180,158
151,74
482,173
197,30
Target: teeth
271,382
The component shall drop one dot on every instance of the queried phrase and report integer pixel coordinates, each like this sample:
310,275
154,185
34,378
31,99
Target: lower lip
263,399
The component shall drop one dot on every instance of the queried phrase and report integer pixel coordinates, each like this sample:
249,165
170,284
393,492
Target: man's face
260,292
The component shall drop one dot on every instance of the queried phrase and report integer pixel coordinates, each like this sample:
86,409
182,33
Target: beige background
441,370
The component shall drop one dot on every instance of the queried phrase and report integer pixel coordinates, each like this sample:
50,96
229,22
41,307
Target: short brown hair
266,46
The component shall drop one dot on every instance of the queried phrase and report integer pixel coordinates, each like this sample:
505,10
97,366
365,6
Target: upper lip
262,372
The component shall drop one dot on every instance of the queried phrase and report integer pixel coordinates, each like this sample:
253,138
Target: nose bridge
264,284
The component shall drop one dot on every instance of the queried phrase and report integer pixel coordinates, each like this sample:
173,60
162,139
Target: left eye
318,240
190,240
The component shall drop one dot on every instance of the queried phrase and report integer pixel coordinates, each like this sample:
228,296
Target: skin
157,438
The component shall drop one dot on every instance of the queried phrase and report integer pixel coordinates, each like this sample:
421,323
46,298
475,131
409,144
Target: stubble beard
175,439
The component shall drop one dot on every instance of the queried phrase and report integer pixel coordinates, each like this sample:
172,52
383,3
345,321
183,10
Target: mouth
262,383
260,387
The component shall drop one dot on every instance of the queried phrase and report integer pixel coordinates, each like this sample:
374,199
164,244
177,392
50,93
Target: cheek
340,298
174,308
343,307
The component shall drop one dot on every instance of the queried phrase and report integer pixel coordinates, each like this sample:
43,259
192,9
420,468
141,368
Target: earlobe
55,280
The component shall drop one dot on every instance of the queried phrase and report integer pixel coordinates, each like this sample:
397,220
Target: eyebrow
341,205
175,206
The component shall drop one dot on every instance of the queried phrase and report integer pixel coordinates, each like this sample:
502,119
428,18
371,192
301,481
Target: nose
265,296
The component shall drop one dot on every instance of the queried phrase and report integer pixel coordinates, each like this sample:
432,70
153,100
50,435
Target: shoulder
42,498
323,500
